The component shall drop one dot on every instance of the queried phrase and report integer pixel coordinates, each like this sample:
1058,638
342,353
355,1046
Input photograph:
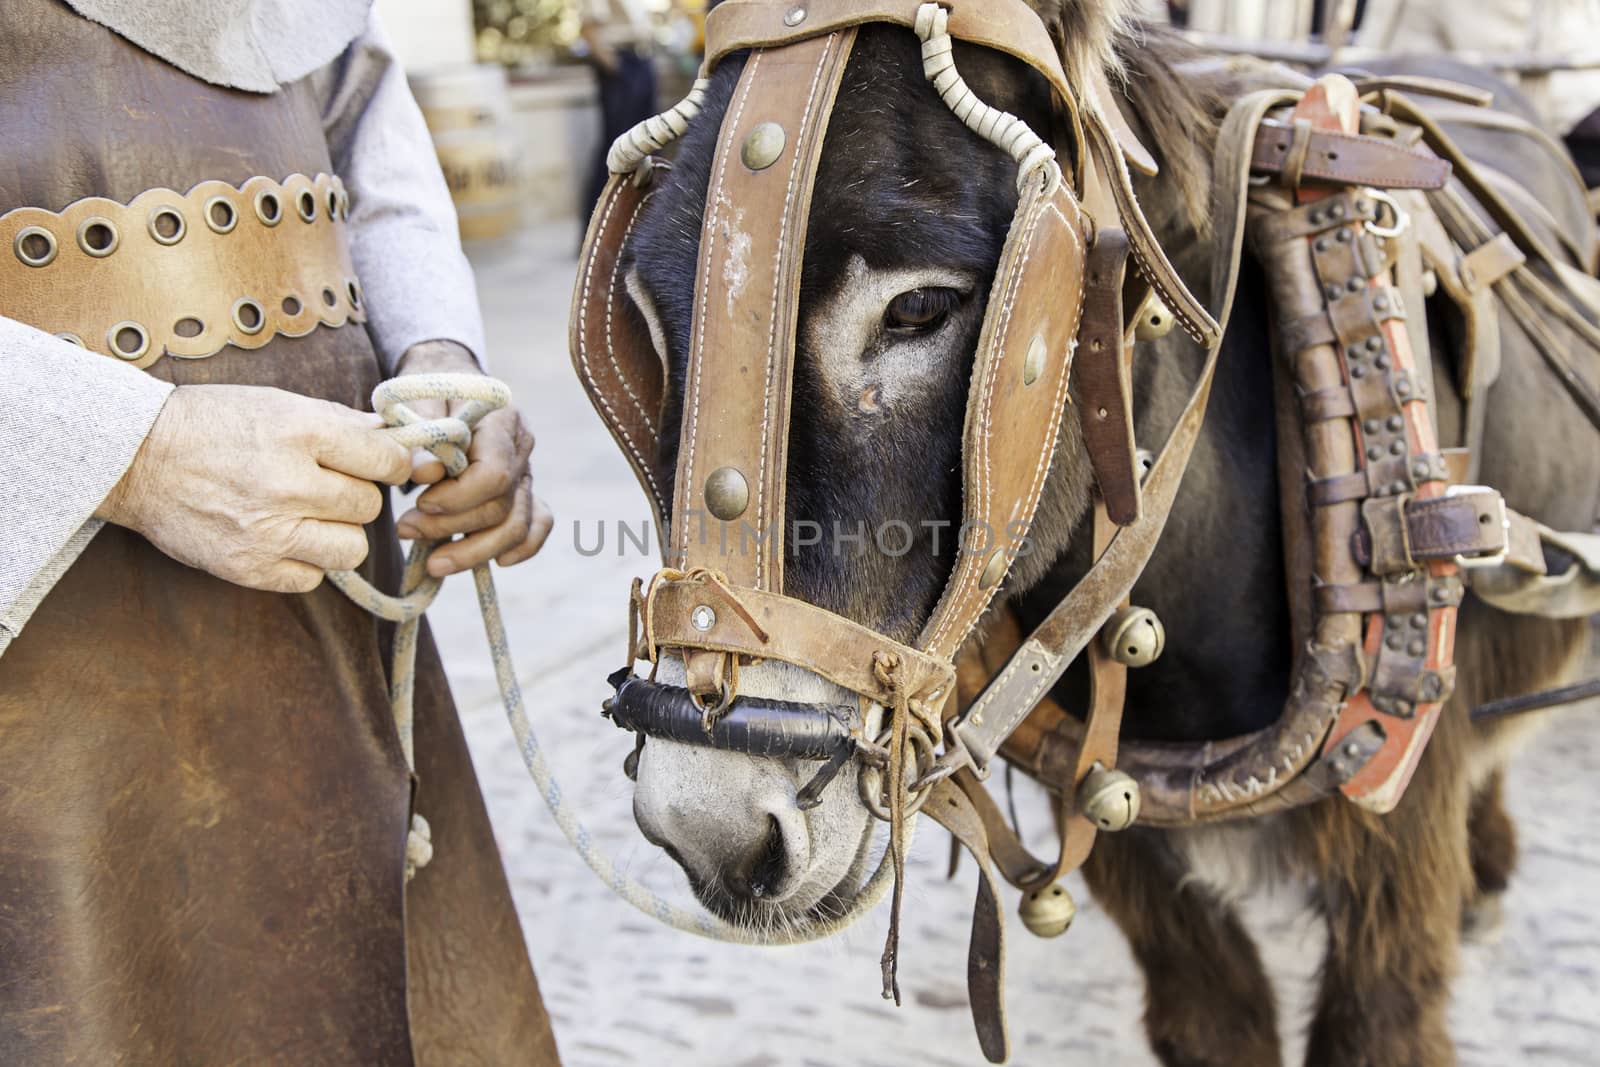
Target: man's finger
335,497
485,545
331,546
538,533
415,524
493,470
369,454
289,576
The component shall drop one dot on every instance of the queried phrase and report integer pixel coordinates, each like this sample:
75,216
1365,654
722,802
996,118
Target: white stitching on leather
611,302
614,423
709,240
784,219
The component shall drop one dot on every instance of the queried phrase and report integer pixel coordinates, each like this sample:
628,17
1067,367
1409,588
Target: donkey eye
921,310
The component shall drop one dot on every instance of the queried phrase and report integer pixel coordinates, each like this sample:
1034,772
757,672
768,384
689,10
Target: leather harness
1378,535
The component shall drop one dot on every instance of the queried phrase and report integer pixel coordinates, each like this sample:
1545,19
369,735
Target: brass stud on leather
35,246
702,618
727,493
1134,637
795,16
994,570
1033,362
1109,798
763,145
1048,912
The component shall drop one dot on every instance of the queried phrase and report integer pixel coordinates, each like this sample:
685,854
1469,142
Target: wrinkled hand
492,503
257,486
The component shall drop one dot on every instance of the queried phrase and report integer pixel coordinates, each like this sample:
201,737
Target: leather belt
1300,151
184,273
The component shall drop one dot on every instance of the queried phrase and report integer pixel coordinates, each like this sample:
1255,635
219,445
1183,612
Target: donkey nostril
763,868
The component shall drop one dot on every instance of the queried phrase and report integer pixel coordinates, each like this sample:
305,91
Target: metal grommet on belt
128,340
72,338
269,208
352,289
98,236
306,205
167,225
249,316
35,246
333,205
221,215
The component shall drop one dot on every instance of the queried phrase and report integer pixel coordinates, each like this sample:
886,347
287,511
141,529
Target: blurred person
621,44
1530,29
205,804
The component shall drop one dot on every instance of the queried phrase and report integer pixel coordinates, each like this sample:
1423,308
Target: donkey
906,229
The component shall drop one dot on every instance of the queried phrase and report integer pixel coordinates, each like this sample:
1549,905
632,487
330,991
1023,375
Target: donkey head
909,215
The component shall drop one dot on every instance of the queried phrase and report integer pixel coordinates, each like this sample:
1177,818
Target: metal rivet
1396,423
1419,621
98,236
1337,211
1396,488
248,316
1441,594
1381,302
174,229
994,570
35,246
269,209
1343,236
702,618
1332,292
1394,622
1372,426
1355,284
1403,387
1417,647
1355,354
1398,448
1321,244
1358,372
763,145
1352,750
1420,469
1382,362
1375,344
1033,362
1374,453
1317,217
727,493
795,16
1364,207
220,214
1395,642
123,346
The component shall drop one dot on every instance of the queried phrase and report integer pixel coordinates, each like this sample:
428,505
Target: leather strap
1105,389
1341,158
610,344
184,273
1064,633
727,511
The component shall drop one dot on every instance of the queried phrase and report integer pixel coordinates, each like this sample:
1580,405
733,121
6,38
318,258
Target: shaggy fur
902,184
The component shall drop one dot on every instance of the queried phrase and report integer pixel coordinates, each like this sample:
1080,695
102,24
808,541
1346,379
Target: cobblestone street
624,990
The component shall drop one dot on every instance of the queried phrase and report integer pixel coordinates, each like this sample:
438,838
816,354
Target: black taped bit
776,728
811,795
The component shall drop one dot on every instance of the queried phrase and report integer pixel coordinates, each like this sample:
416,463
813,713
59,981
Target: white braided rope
655,133
1000,128
446,438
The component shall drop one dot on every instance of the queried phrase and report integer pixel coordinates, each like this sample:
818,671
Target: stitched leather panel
1015,407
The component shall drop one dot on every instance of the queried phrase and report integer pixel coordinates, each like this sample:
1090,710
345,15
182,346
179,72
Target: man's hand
257,486
492,502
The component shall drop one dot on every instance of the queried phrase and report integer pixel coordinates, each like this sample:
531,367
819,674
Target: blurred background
522,97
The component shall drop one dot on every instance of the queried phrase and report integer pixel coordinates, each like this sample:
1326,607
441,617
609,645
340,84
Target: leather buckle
1498,556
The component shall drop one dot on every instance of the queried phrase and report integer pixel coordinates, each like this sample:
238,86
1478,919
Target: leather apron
203,804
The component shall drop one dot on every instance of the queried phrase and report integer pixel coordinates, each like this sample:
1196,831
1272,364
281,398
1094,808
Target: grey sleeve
70,424
417,283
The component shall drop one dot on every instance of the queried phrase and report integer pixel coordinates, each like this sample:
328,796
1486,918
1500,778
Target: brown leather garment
203,806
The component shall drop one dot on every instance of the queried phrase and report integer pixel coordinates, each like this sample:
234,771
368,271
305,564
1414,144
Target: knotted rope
447,438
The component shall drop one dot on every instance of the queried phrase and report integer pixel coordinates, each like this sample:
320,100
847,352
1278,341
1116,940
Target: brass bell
1134,637
1049,911
1109,798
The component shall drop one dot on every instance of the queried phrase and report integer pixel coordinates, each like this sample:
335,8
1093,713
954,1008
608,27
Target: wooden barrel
468,112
